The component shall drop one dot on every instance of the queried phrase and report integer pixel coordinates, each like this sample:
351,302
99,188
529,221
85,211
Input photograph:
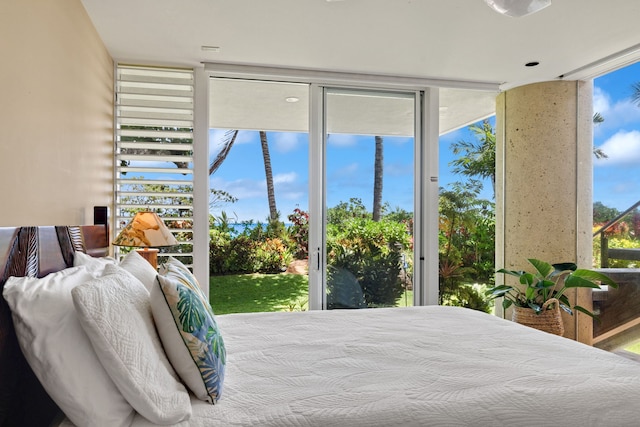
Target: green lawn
634,348
245,293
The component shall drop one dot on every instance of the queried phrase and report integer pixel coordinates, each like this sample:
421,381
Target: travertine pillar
544,180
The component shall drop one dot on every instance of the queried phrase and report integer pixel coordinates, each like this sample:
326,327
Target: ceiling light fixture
517,8
292,99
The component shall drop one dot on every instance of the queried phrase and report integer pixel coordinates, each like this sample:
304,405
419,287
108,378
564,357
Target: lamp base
151,255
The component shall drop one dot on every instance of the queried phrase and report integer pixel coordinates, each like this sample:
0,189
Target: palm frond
227,143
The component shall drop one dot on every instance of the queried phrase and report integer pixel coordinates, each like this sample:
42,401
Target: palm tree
635,96
377,180
479,157
228,140
597,119
273,212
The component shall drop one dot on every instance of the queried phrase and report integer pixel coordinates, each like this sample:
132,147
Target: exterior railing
607,253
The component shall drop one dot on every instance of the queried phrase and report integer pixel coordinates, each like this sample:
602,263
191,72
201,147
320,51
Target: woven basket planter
549,320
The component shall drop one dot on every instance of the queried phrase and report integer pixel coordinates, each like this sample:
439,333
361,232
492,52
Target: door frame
425,159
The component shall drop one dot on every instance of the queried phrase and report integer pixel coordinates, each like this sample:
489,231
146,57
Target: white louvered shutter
154,150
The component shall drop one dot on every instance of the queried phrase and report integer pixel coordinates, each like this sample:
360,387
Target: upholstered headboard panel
34,252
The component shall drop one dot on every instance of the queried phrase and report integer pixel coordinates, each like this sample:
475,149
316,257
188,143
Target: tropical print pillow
176,269
189,332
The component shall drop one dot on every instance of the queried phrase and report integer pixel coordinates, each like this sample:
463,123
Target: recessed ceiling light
532,64
211,48
517,8
292,99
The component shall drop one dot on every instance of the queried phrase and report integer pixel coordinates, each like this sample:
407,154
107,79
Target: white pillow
188,330
115,313
135,264
60,353
94,265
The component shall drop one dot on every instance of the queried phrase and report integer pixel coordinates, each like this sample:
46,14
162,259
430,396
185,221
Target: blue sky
350,161
349,172
617,178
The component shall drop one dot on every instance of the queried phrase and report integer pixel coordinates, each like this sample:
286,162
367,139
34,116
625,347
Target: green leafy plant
372,252
546,282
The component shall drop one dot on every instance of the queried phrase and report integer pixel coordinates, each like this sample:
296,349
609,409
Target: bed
422,366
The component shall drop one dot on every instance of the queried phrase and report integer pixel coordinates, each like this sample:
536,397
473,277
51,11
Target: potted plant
541,294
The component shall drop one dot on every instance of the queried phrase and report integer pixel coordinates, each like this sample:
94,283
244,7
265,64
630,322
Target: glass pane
369,198
259,154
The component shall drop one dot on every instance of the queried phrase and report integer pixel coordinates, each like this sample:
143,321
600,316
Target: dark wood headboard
34,252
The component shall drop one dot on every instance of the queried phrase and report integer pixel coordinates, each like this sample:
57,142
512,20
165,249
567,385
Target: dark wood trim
34,252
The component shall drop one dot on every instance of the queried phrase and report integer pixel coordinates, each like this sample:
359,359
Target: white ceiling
456,40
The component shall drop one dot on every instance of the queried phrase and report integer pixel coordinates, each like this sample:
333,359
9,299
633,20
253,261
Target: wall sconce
147,231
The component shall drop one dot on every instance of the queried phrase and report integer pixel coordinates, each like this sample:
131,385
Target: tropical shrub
219,247
372,252
466,246
242,255
619,242
272,256
299,233
255,249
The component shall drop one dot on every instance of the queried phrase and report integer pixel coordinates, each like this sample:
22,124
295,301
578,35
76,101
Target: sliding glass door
325,182
369,200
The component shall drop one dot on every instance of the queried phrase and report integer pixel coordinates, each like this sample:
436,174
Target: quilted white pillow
189,332
140,268
115,313
60,353
94,265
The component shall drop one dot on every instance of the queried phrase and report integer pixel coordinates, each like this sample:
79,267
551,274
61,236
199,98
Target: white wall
56,114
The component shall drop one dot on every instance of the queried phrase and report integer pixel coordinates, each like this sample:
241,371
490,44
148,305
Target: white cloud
287,186
616,115
623,148
342,140
346,171
285,178
398,169
285,142
601,101
241,188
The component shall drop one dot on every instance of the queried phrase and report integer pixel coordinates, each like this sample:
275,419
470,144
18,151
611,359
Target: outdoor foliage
478,158
467,246
299,233
624,234
369,250
467,224
602,214
257,248
618,240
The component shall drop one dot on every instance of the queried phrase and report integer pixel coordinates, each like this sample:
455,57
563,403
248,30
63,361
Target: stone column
544,181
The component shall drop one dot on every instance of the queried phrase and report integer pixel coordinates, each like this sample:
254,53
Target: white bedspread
424,366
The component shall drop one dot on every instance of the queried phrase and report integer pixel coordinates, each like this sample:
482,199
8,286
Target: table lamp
148,232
